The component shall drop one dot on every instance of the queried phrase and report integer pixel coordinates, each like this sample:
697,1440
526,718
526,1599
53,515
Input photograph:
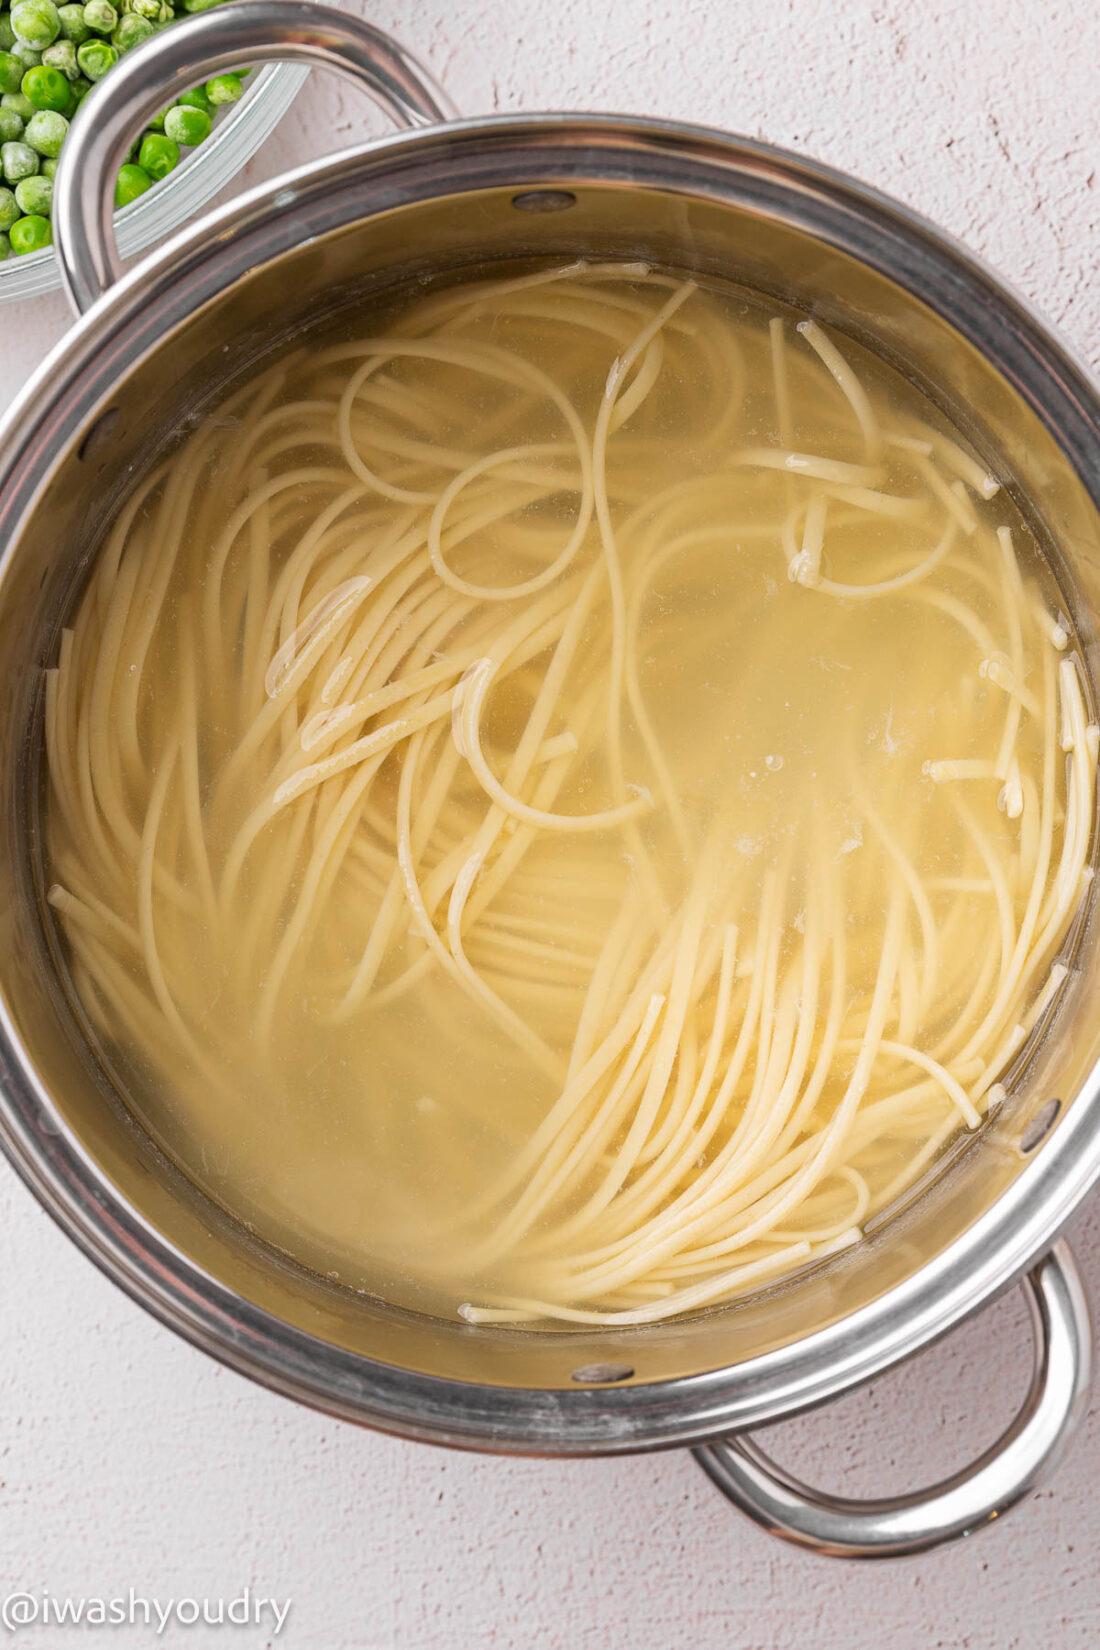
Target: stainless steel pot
146,349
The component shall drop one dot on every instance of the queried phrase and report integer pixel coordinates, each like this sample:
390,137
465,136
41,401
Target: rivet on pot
544,200
602,1374
1040,1126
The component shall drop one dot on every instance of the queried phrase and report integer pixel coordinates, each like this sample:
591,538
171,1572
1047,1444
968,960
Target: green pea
17,160
46,88
5,247
27,55
188,127
196,98
31,234
73,26
95,58
36,23
7,34
45,132
131,182
35,195
49,168
19,103
11,126
131,31
9,210
100,16
61,56
158,155
11,72
224,88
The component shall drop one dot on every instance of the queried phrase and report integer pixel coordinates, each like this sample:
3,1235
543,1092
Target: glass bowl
234,140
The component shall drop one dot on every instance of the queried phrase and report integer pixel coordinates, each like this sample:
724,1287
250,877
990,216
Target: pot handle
958,1505
227,37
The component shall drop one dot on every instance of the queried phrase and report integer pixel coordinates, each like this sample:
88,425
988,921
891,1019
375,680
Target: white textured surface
128,1459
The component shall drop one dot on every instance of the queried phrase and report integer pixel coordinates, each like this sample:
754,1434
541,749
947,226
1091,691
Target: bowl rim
51,411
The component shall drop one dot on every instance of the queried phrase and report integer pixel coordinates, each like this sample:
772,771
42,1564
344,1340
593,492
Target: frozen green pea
11,126
100,16
188,127
18,160
62,57
131,31
132,181
158,155
35,195
27,55
36,23
30,234
11,72
73,26
19,103
224,88
7,34
196,98
49,168
9,210
46,88
5,248
95,57
45,132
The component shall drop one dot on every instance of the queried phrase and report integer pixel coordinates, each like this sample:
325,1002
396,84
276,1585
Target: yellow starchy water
566,793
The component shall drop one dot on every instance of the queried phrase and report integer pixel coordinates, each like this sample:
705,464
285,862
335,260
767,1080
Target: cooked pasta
565,799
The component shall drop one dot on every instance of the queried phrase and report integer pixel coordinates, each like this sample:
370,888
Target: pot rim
53,407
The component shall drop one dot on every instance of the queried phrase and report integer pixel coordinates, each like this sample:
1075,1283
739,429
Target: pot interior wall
128,415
